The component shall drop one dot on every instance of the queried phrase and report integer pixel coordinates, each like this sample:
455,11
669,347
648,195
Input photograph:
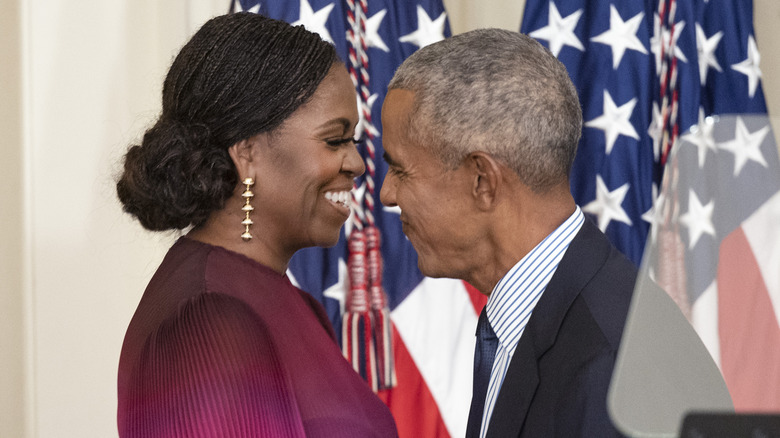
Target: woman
253,152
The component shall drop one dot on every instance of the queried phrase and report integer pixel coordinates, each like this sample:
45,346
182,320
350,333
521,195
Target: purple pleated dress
222,346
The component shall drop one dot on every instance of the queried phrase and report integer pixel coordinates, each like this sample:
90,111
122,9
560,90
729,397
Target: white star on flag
750,66
615,120
559,31
698,218
700,136
706,49
372,31
656,130
653,214
315,21
745,146
621,35
649,215
663,39
428,31
338,290
238,8
607,205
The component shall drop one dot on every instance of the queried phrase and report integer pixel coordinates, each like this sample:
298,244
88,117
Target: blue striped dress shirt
513,299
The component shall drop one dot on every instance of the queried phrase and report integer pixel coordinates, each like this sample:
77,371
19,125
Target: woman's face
305,169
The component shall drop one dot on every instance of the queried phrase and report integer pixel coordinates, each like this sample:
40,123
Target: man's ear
486,174
245,153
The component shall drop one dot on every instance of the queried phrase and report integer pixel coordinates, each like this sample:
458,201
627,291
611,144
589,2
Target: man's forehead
396,112
398,104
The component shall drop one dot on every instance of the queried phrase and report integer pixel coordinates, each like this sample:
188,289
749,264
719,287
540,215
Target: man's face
434,200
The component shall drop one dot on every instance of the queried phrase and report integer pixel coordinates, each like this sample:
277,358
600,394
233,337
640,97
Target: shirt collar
513,298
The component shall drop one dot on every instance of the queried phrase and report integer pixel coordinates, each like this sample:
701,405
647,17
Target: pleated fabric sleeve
211,370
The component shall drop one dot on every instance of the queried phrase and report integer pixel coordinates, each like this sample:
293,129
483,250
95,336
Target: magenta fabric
222,346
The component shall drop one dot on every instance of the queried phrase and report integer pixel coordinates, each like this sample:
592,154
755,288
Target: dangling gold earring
247,208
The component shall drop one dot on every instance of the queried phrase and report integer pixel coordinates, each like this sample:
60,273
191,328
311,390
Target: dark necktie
485,352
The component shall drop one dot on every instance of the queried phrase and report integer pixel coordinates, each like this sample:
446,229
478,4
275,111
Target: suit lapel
517,391
586,254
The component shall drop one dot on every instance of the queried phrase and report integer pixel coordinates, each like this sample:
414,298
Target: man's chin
430,270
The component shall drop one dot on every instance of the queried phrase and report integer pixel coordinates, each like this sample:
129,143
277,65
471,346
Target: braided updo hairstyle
240,75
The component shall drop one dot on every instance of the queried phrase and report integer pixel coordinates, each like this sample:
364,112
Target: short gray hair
499,92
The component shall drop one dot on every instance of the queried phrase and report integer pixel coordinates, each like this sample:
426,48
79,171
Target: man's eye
394,171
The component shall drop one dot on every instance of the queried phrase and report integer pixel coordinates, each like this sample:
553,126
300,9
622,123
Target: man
480,132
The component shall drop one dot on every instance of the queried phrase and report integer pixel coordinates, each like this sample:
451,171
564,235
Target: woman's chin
330,240
329,244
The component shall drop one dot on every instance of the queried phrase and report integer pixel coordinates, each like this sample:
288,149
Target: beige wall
766,17
467,15
12,227
80,79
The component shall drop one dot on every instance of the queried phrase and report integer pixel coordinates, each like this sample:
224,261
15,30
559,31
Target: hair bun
192,135
170,180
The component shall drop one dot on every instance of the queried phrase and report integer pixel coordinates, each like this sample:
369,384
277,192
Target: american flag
677,151
432,320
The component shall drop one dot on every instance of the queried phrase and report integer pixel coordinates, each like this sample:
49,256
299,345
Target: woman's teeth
341,198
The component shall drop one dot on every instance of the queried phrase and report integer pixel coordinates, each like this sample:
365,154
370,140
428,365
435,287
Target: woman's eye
338,142
343,141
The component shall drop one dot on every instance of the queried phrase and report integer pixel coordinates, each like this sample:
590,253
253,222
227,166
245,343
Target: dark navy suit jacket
557,382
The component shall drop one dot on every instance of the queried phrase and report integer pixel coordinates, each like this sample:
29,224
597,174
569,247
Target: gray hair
499,92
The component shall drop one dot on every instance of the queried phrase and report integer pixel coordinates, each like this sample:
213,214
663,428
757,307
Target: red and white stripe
431,399
737,316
